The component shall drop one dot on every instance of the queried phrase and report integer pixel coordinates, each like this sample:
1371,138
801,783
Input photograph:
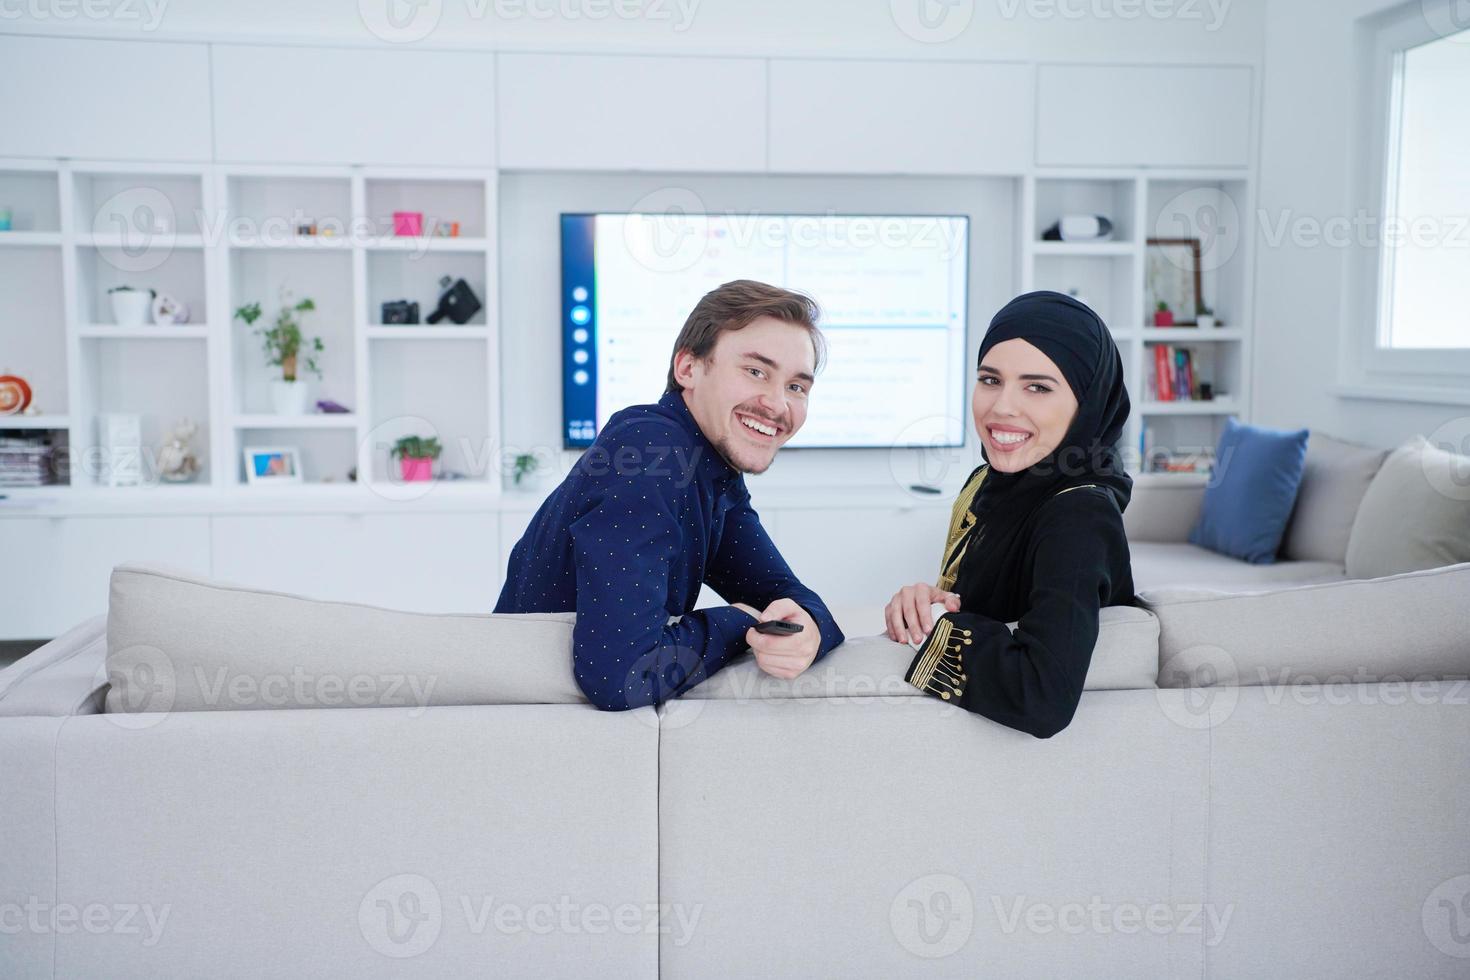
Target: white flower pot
1206,321
289,397
130,307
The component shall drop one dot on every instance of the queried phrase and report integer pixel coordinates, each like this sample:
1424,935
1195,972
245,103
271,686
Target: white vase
289,397
130,307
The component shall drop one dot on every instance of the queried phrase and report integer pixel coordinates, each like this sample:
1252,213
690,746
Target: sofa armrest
67,676
1164,507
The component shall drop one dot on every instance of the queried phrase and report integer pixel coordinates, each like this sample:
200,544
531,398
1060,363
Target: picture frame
1172,274
272,464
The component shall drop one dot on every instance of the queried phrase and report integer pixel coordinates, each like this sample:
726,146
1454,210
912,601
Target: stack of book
24,462
1174,379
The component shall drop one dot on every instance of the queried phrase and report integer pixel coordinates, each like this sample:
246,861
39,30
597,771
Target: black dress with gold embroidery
1068,559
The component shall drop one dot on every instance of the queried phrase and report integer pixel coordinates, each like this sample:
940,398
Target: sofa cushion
1410,626
176,642
1334,480
1249,498
1416,513
64,677
1125,657
1157,565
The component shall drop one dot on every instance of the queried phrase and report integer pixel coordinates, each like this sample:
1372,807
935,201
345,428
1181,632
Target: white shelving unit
1111,277
217,238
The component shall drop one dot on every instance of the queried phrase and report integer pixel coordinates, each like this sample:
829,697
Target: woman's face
1022,405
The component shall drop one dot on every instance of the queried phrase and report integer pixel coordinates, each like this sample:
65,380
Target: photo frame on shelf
272,464
1172,275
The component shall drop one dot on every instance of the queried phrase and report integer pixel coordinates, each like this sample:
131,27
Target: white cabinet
594,112
336,105
56,569
1109,115
417,562
857,557
115,100
876,117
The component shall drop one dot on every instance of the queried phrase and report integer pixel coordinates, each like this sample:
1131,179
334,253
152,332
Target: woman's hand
907,615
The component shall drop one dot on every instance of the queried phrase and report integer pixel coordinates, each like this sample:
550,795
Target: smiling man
658,506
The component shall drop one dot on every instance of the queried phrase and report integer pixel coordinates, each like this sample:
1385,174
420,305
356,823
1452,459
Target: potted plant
416,455
130,307
1205,318
523,466
1163,316
283,343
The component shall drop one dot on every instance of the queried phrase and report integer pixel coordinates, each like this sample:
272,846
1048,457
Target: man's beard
723,448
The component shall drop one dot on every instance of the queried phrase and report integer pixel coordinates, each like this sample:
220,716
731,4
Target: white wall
1309,102
1052,30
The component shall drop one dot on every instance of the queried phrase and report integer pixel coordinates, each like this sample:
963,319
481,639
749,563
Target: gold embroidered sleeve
939,667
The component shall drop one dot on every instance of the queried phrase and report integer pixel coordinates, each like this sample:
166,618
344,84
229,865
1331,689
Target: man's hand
908,617
785,656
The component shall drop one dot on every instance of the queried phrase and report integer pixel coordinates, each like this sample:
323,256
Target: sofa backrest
1403,627
1336,477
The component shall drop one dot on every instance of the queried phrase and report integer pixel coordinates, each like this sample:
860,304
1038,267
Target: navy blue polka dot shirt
649,513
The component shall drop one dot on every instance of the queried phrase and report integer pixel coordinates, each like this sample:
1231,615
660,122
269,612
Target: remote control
779,627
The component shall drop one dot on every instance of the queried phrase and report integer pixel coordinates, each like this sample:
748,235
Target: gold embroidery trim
939,668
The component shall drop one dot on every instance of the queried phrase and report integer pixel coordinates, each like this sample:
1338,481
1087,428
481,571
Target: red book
1162,382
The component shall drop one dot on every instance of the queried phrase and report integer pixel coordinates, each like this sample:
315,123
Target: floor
13,650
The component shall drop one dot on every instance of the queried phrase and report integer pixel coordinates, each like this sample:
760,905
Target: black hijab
1079,343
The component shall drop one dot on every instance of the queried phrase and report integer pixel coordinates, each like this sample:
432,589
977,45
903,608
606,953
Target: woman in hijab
1036,536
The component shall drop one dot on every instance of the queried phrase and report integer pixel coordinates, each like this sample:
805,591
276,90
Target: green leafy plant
283,341
416,447
130,289
1163,307
1204,310
524,465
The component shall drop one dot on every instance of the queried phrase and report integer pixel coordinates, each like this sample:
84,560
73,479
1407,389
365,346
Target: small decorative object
1206,391
416,455
130,307
4,219
400,311
329,407
1079,228
458,301
15,394
446,229
120,441
306,228
1163,316
283,347
408,223
1172,275
272,464
1205,318
177,462
523,466
168,311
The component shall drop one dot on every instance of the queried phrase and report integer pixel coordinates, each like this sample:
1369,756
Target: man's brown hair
737,304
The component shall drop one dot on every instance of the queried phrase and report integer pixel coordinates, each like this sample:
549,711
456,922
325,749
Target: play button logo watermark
401,916
932,21
400,21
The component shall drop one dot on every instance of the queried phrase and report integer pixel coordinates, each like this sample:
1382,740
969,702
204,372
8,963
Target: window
1424,249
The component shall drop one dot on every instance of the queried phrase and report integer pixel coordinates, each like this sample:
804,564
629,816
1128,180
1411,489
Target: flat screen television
892,290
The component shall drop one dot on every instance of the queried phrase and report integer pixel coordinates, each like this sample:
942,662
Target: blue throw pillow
1252,491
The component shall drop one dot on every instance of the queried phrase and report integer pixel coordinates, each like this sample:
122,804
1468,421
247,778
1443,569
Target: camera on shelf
400,311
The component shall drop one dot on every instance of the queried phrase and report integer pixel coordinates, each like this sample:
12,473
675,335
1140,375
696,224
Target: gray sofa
213,780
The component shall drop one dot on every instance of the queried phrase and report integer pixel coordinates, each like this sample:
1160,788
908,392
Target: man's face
749,396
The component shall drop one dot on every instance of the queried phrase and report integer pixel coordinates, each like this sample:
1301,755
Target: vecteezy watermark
933,916
1363,229
1198,687
38,917
1204,213
146,14
1445,916
1100,918
403,916
1362,686
932,21
1210,13
1449,474
407,21
141,686
222,688
1448,18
